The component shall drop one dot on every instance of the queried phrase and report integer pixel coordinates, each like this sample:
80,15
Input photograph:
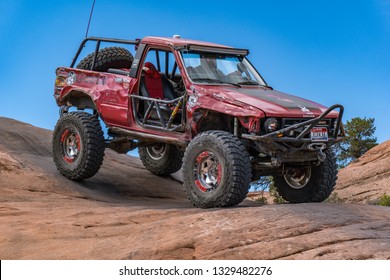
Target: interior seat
154,85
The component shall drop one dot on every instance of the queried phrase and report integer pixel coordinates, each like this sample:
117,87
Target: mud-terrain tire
110,57
216,170
309,184
161,159
78,145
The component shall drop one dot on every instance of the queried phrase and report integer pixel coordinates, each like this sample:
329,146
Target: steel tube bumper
338,134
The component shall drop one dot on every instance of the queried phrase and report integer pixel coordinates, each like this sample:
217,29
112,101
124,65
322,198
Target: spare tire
110,57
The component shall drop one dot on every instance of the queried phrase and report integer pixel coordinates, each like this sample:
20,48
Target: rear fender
79,98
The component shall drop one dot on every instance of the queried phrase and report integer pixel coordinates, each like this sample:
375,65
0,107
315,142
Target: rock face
367,178
124,212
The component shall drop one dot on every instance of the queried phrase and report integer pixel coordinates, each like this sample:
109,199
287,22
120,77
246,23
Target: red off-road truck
195,106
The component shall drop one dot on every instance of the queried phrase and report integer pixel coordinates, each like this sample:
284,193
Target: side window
172,64
153,57
164,61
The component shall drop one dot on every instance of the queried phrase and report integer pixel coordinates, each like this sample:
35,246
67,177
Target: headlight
59,84
271,124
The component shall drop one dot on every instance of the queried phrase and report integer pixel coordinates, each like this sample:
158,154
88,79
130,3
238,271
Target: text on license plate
319,134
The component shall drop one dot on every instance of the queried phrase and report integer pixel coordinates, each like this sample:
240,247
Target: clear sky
331,51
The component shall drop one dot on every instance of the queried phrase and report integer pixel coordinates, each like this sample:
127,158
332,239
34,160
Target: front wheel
78,145
308,184
216,170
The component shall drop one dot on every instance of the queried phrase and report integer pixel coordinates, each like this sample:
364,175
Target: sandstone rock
368,178
124,212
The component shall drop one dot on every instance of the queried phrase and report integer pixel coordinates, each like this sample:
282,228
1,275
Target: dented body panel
108,92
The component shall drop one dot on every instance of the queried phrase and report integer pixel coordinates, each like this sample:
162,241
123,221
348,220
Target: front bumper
277,142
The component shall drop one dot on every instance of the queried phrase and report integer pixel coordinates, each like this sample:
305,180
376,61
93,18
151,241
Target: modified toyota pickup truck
195,106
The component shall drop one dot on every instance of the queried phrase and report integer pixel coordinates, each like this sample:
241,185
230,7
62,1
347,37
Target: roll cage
155,107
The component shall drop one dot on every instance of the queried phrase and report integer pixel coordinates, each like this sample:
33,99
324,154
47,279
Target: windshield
212,68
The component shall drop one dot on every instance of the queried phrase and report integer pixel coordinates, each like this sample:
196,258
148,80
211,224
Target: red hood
271,102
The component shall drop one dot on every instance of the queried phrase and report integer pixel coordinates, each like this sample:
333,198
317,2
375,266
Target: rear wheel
310,183
111,57
160,158
78,145
216,170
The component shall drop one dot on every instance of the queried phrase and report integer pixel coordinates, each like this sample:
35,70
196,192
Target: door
158,103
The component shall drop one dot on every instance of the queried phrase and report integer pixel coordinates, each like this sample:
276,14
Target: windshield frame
222,55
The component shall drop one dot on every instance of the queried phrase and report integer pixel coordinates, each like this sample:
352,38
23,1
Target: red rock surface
124,212
368,178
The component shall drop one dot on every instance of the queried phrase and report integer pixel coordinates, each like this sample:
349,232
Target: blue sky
327,51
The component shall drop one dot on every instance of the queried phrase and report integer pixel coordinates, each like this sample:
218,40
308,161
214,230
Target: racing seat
154,85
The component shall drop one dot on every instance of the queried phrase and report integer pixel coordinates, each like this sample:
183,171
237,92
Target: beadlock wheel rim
298,178
156,151
207,171
71,145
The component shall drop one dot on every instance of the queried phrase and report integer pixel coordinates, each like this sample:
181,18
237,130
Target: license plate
319,134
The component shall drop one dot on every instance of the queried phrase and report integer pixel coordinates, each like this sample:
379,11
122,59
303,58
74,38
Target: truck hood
271,102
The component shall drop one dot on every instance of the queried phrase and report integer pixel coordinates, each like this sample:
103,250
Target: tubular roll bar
154,105
98,40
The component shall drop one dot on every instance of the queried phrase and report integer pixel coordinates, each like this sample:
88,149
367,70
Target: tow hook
319,148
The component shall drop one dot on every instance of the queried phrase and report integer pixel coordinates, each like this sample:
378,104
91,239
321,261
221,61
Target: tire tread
93,145
239,175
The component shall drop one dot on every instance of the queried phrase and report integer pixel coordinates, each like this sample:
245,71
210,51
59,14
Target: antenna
90,17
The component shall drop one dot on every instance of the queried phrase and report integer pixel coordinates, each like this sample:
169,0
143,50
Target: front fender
248,115
224,105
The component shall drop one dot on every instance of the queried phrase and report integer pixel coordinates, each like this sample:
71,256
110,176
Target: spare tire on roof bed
110,57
